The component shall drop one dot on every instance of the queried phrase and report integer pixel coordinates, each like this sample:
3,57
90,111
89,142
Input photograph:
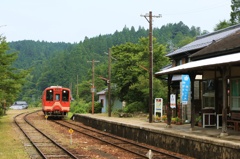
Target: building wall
117,104
103,97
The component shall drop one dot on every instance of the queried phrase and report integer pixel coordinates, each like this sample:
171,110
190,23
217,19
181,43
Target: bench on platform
234,121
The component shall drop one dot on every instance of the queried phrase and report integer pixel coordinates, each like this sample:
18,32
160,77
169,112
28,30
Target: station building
212,63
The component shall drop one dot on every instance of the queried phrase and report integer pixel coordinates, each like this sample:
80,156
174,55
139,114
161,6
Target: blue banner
185,88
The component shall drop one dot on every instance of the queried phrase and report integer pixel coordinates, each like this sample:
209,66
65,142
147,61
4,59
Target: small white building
103,99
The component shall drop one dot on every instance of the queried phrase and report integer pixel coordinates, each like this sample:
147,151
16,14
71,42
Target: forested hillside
68,64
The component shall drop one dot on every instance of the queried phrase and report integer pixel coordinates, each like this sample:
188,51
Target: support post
225,70
168,101
192,79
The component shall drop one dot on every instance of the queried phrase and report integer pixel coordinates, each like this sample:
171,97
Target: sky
73,20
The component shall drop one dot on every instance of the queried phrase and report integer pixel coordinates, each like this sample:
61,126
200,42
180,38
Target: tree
12,79
130,71
223,24
235,14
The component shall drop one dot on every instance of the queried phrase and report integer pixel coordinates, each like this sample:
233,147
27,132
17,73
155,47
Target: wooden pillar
192,79
224,71
168,103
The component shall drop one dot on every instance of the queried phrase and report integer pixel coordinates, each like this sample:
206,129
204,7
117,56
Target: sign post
158,106
70,132
46,117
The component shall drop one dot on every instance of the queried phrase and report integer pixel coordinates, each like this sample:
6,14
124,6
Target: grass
69,115
11,145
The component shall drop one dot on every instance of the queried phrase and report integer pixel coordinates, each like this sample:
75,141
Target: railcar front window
49,95
65,95
57,97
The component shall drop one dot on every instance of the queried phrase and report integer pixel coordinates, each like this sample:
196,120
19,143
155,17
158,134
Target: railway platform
202,143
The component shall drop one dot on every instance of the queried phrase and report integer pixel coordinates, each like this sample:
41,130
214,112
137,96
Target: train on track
56,101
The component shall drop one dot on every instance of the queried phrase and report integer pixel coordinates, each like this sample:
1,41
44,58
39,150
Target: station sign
173,101
185,88
158,106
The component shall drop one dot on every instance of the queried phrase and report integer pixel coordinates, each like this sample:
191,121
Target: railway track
138,149
45,136
45,146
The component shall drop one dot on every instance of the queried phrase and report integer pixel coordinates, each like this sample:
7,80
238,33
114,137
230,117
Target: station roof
102,92
225,46
205,40
202,64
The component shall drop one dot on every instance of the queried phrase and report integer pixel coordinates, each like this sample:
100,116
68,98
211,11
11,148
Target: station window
208,96
49,95
65,95
235,94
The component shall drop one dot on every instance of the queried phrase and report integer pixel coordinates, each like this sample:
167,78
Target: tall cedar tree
11,78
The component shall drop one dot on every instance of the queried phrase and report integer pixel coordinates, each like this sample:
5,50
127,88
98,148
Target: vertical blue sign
185,88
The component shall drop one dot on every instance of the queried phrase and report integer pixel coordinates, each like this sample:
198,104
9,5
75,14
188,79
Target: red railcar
56,101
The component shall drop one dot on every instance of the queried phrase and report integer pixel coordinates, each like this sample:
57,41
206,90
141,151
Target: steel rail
55,143
118,138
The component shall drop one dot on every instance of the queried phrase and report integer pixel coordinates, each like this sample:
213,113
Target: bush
164,118
134,107
81,106
97,107
1,111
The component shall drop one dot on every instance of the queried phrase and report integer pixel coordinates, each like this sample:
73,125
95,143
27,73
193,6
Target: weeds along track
140,150
45,146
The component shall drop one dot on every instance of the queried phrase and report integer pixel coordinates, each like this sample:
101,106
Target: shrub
79,107
97,107
178,120
1,111
134,107
164,118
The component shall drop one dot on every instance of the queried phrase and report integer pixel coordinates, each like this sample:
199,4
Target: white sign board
173,101
158,106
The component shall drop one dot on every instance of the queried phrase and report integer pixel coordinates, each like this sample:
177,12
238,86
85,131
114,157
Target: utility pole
93,87
109,80
109,83
149,19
